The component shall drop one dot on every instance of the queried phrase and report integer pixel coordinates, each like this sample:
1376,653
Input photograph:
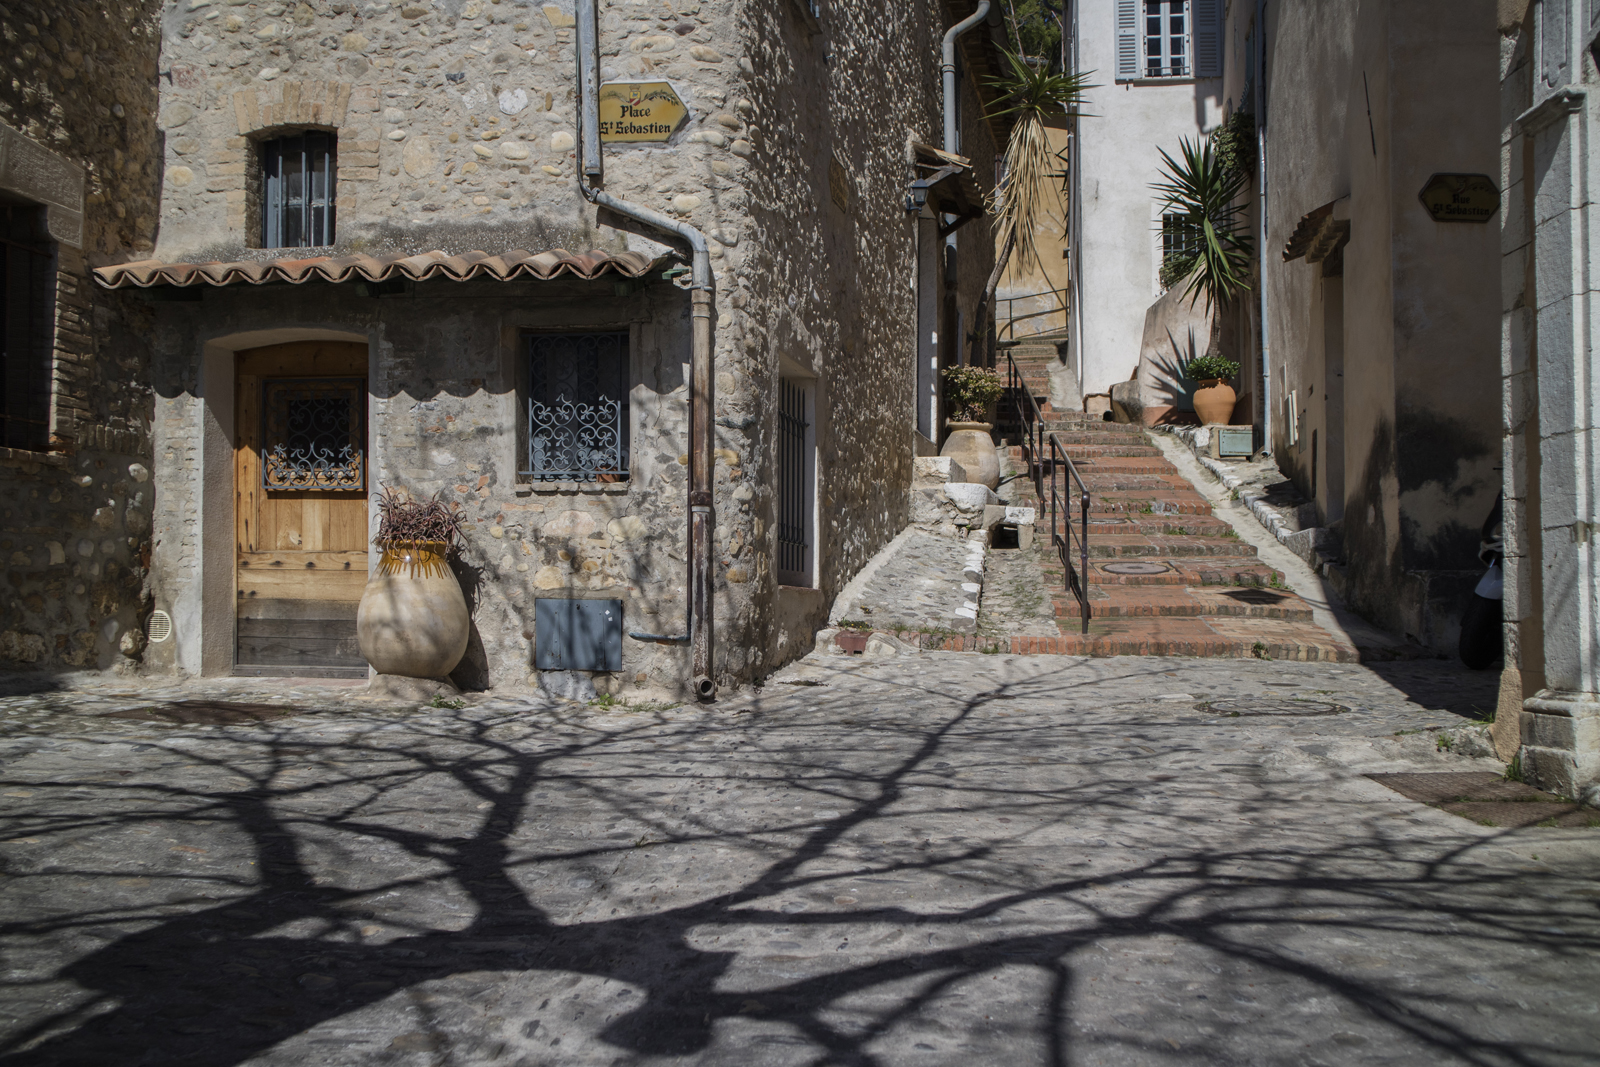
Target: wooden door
301,484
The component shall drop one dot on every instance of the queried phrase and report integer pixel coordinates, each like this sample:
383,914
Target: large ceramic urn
413,618
970,445
1213,401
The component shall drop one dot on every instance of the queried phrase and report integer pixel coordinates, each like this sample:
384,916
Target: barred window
298,180
577,407
796,481
27,326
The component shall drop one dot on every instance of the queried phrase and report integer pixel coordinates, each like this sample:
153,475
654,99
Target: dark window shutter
1207,38
1127,40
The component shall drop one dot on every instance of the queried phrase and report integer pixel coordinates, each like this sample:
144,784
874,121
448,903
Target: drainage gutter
702,521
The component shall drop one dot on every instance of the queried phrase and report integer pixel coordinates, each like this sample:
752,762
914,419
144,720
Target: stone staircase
1166,576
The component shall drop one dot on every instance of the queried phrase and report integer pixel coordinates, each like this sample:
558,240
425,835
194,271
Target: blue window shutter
1207,38
1127,40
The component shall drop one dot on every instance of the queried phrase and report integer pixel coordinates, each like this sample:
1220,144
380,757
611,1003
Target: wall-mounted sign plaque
639,111
1460,197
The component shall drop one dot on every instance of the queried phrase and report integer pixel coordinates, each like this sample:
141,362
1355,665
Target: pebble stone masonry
455,127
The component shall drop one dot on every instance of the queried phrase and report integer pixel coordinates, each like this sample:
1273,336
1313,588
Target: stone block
937,470
970,496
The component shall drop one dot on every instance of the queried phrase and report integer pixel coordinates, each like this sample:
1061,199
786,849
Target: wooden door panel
302,554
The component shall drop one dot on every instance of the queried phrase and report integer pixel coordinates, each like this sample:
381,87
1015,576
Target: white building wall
1124,125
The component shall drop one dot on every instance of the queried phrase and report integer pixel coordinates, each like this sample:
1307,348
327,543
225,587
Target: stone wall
456,126
77,134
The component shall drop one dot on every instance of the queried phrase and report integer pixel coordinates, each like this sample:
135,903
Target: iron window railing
577,407
299,175
27,326
1166,38
793,487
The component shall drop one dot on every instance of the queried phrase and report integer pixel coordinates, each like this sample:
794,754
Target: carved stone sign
1460,197
639,111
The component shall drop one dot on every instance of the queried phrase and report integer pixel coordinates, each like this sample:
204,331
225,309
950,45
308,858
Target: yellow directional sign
639,111
1460,197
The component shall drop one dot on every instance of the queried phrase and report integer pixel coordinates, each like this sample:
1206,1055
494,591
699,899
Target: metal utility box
1232,441
577,635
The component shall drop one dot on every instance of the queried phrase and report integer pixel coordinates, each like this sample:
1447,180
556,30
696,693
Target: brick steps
1131,601
1165,547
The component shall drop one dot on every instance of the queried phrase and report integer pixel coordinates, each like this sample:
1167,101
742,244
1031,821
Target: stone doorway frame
209,648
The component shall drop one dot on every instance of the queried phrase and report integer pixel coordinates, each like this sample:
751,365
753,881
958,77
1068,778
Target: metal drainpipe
952,113
1261,193
702,521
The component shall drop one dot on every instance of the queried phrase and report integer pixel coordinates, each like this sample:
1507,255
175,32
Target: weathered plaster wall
1120,236
1414,309
77,100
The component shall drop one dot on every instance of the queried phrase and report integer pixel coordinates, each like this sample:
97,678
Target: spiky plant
1200,191
1033,94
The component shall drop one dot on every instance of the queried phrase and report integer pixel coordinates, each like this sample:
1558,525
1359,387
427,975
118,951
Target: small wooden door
300,475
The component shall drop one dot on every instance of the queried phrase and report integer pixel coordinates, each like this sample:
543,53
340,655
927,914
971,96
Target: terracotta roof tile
506,266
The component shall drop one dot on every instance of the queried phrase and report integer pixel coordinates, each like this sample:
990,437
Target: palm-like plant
1200,191
1032,94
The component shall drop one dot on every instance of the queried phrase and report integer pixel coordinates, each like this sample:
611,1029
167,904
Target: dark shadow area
533,843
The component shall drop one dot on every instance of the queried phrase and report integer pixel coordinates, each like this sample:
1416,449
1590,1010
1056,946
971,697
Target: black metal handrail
1006,325
1077,577
1033,440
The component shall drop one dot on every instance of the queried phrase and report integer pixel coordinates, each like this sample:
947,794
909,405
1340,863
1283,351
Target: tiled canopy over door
301,511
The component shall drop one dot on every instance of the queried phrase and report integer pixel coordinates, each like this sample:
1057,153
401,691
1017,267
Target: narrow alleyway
1167,576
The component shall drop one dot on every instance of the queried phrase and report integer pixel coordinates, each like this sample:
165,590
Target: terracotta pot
851,641
413,618
1213,401
970,445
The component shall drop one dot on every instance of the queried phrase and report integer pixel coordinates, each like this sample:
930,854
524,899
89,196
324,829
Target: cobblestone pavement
1017,595
933,859
922,583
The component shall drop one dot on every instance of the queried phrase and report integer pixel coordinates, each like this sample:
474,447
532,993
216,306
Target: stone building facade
1549,710
1380,325
80,174
440,271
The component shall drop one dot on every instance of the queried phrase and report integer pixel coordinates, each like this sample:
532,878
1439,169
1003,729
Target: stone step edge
1095,645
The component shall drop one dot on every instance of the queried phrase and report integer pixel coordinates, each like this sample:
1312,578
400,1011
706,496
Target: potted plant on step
413,617
1214,399
970,396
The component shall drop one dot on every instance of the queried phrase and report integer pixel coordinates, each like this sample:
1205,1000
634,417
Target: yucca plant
1022,199
1031,93
1200,191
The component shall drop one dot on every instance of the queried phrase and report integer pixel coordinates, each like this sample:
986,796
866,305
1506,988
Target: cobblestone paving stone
1017,595
933,859
920,587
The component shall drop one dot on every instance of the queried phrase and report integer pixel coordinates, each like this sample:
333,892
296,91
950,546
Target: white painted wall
1118,224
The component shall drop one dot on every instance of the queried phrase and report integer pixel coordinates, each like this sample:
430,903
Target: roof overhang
1321,235
944,188
507,266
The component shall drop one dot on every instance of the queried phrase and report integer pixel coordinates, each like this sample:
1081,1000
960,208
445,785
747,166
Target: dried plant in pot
413,618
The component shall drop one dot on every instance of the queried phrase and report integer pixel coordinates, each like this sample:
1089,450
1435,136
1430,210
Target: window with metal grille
795,482
27,326
299,174
1166,38
577,407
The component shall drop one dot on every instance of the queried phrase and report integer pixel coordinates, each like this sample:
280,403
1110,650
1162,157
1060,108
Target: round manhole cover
1134,568
1269,706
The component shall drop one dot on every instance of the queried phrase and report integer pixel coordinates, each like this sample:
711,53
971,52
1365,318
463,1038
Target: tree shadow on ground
488,824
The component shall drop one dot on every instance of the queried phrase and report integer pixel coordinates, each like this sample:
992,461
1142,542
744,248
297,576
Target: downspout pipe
952,110
1261,245
952,117
702,520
